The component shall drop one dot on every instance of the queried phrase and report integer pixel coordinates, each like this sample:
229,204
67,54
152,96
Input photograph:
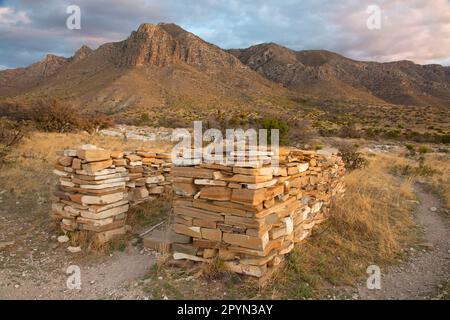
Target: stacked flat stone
96,187
251,215
91,194
149,172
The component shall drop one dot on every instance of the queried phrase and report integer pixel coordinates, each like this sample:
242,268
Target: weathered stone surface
211,234
215,193
188,231
246,196
94,155
97,166
246,241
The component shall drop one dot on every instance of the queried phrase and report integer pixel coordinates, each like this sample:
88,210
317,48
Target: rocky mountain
331,75
163,69
156,69
14,81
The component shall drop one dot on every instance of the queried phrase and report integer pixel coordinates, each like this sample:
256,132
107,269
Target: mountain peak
165,44
146,28
51,58
82,53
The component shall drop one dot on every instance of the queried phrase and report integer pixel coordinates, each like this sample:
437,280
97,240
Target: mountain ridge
399,82
161,67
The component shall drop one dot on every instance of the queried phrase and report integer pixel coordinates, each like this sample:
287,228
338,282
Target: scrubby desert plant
11,133
349,131
54,116
352,158
445,138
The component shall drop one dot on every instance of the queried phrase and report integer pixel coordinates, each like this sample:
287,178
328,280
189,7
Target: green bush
445,138
281,125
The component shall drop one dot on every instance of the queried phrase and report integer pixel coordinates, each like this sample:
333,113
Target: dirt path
428,266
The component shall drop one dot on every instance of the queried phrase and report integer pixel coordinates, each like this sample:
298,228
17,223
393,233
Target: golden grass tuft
440,182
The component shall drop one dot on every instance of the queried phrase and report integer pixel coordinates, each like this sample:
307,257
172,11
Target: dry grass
441,181
370,225
30,164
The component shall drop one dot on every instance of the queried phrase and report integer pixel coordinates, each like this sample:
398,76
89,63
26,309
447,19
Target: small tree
281,125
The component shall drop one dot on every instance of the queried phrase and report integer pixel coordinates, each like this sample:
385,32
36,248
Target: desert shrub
370,133
317,147
402,170
56,117
215,269
300,132
424,149
349,131
281,125
411,149
392,134
143,119
328,132
97,121
445,138
352,158
11,133
241,119
53,116
172,121
408,170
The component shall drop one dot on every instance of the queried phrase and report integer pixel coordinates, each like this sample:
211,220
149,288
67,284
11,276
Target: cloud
412,30
416,30
9,16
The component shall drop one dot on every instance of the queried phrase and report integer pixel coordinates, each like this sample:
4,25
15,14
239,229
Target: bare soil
33,264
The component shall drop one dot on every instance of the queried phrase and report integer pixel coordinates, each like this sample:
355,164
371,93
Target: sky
377,30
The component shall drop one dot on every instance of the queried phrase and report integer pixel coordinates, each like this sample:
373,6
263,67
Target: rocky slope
157,67
162,69
330,74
